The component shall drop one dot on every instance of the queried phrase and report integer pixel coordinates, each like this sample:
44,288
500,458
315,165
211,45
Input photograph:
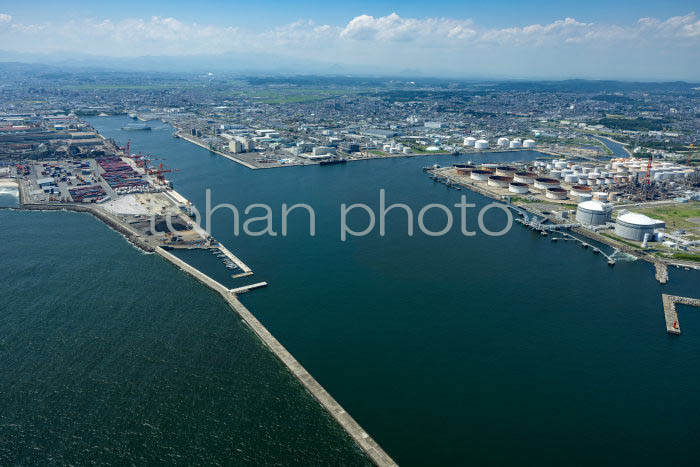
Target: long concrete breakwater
375,453
670,313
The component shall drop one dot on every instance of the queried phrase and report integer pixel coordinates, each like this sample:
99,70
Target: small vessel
335,160
136,127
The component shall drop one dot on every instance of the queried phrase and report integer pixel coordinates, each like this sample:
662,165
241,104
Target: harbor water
448,350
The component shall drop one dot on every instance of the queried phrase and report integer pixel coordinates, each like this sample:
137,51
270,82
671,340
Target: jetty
375,453
661,272
670,313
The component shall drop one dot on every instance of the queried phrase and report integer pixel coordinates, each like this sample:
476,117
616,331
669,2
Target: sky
541,39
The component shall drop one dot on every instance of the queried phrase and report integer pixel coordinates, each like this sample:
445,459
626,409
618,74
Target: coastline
656,261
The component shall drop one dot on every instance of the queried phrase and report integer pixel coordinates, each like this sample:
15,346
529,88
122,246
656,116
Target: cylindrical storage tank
586,170
633,226
469,141
600,196
583,181
464,169
593,212
518,187
499,181
490,166
612,196
524,177
571,179
560,165
529,143
549,166
503,142
515,144
480,174
556,193
505,171
578,190
609,180
543,183
481,144
555,174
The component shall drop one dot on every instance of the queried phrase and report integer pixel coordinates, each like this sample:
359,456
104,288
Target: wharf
234,258
227,156
246,288
670,313
376,454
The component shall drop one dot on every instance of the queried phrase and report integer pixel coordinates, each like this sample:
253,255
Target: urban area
617,162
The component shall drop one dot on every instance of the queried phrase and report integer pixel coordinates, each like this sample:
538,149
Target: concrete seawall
234,159
670,313
363,440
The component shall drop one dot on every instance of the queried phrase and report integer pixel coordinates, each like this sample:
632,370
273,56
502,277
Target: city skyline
498,41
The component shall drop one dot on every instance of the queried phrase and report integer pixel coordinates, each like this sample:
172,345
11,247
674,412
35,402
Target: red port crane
160,173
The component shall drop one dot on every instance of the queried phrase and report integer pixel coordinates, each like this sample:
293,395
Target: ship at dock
335,160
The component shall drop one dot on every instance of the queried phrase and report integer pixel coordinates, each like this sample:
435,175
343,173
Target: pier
375,453
661,272
670,313
246,288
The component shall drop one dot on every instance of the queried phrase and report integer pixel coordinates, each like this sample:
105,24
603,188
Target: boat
338,160
136,127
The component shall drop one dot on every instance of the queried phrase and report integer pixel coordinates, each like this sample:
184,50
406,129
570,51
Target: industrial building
593,213
634,226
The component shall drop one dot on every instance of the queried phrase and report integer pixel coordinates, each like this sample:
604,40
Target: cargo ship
136,127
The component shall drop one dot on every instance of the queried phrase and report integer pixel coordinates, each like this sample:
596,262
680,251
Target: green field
676,216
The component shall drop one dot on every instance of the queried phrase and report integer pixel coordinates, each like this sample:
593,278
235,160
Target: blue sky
266,13
528,39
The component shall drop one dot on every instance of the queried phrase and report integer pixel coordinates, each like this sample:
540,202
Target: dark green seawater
109,356
448,350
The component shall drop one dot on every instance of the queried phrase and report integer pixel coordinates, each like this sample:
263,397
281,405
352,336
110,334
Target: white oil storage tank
481,144
529,143
593,213
633,226
518,187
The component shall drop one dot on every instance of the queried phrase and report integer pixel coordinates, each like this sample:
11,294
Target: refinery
605,201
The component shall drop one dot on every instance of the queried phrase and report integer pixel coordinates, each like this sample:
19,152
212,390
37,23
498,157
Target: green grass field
677,216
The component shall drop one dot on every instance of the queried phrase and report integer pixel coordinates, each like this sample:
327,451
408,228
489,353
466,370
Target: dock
227,156
246,288
670,313
370,447
234,258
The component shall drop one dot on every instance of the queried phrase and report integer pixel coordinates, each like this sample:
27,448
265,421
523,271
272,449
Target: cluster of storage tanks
616,171
516,143
519,182
502,142
396,148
